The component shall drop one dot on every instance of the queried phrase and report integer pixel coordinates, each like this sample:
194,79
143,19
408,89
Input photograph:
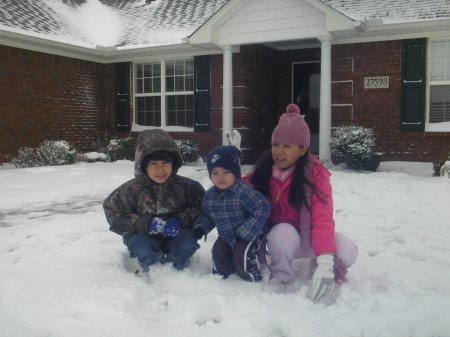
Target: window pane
170,84
170,68
148,87
179,67
148,77
180,110
189,83
139,70
438,50
439,104
440,61
157,84
179,83
148,70
189,67
139,86
156,69
148,111
437,71
179,75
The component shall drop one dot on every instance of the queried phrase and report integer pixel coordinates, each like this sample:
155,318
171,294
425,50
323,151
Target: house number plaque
378,82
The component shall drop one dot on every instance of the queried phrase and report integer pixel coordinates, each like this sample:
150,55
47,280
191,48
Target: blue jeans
152,249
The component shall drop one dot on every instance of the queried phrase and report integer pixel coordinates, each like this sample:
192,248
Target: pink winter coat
322,222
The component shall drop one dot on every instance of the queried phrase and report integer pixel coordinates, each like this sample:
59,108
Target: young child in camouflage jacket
237,211
155,211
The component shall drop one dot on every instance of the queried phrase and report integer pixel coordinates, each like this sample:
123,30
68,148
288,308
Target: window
439,85
164,93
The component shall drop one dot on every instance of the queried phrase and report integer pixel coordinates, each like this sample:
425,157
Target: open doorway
306,94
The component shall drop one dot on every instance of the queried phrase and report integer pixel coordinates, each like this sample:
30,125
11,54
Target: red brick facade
379,108
45,96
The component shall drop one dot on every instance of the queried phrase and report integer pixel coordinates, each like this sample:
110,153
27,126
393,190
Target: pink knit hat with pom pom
292,128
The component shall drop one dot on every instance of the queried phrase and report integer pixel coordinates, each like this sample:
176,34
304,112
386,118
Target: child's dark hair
263,173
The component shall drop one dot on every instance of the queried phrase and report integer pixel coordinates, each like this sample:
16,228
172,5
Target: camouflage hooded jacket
140,199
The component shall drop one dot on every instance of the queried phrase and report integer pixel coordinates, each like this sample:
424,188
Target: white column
325,99
227,104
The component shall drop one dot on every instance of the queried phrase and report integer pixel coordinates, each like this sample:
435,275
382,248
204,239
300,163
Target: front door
306,94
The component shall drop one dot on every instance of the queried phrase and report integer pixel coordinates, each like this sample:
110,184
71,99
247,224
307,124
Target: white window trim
137,127
433,127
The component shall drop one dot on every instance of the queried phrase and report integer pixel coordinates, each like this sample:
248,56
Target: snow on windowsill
438,127
139,128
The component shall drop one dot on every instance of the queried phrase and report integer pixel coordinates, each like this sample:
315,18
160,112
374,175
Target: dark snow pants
152,249
242,260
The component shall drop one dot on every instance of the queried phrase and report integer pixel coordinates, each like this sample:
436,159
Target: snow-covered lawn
63,273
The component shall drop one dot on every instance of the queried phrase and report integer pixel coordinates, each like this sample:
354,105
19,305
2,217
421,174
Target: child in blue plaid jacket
237,211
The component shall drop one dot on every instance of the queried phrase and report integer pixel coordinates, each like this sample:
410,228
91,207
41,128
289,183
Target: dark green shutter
202,92
123,96
413,85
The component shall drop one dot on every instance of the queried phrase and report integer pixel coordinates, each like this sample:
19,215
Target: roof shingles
158,22
165,22
393,11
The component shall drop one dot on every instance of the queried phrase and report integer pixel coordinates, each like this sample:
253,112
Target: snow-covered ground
63,273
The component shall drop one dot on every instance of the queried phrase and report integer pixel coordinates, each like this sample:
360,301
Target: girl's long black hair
263,173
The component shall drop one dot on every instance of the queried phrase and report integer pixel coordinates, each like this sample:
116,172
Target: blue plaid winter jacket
237,212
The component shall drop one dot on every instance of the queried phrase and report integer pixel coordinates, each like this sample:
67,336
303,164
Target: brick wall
255,94
378,108
254,97
44,96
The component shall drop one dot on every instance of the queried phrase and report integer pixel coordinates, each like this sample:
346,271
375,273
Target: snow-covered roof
393,11
126,25
108,22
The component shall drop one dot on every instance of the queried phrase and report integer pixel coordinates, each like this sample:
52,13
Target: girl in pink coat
301,222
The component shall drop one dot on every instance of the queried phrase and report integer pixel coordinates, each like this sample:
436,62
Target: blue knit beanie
226,157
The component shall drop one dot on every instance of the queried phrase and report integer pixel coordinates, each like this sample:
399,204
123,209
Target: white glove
234,139
323,278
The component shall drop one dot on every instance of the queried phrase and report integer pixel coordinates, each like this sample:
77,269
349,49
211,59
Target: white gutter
99,54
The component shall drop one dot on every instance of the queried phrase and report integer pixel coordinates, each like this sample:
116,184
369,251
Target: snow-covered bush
188,149
353,145
100,143
438,163
121,148
26,157
48,153
55,152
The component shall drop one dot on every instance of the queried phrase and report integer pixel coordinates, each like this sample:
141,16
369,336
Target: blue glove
156,225
172,227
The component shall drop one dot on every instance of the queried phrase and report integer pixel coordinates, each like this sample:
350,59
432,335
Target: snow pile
63,273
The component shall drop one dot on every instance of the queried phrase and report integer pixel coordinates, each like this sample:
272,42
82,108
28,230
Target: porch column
325,99
227,103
